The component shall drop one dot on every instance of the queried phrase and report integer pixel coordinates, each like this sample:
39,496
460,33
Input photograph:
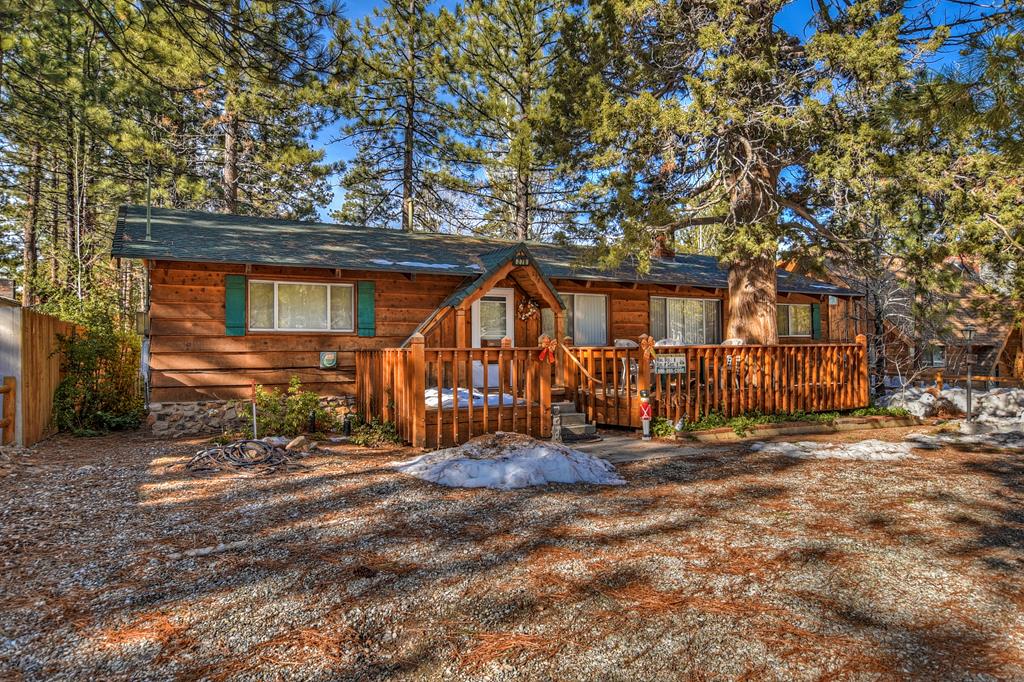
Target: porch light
521,259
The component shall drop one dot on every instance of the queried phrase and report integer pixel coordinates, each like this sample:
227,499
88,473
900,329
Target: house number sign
669,364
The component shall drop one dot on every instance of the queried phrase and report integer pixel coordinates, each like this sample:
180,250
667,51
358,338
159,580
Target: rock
297,443
85,470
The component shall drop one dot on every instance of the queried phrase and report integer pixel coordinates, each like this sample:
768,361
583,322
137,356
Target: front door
492,321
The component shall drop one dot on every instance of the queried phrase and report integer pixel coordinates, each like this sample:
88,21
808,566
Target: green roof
179,235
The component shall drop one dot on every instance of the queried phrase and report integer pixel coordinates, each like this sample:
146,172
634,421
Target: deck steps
574,423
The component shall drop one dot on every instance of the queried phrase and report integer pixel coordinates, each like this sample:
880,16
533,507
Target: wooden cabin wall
629,306
826,318
191,358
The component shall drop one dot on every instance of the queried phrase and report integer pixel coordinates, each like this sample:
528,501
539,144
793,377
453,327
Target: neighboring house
237,299
916,350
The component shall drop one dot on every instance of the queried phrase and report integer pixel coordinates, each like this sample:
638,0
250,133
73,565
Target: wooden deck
692,382
607,384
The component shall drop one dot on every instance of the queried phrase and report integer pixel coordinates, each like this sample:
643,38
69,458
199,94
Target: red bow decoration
647,346
548,347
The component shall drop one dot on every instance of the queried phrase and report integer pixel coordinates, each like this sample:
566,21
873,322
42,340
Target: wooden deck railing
8,410
445,396
690,382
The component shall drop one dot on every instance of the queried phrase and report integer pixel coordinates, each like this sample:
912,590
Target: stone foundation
218,416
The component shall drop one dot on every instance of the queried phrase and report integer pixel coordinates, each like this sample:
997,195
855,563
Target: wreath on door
527,309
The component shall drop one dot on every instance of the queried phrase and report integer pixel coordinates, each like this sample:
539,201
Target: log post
862,371
559,334
643,378
545,395
460,327
507,368
417,386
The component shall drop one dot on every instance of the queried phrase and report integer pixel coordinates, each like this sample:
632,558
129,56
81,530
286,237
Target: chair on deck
629,371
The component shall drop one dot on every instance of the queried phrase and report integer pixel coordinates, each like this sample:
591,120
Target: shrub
746,422
880,412
102,385
662,428
288,413
373,434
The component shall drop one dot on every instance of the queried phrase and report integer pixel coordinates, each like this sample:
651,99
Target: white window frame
607,321
276,329
510,322
789,318
929,356
704,326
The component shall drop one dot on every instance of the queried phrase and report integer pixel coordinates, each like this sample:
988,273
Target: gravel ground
727,565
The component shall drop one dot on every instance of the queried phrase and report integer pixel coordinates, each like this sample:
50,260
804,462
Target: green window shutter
365,308
816,320
234,305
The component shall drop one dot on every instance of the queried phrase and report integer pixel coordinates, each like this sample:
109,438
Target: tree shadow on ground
384,575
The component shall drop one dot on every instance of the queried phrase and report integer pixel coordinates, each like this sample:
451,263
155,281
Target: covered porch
504,302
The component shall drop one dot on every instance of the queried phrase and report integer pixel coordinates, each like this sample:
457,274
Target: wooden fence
40,371
29,353
8,410
444,396
691,382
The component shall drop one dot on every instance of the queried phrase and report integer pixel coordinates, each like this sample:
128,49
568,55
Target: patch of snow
447,400
419,264
505,461
997,406
995,434
865,450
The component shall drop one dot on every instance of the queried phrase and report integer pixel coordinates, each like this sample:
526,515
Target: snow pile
997,405
996,434
509,460
447,398
865,450
419,264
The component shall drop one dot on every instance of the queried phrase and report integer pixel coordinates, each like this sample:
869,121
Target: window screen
301,306
686,321
590,320
793,319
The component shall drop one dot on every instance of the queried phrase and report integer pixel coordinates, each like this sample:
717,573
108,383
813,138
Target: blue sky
793,18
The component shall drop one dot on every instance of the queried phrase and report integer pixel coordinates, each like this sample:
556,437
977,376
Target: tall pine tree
397,122
708,114
503,55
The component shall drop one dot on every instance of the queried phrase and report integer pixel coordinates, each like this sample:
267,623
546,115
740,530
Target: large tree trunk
752,276
29,258
752,300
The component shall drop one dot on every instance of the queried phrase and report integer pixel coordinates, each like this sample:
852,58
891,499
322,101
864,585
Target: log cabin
239,299
903,349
